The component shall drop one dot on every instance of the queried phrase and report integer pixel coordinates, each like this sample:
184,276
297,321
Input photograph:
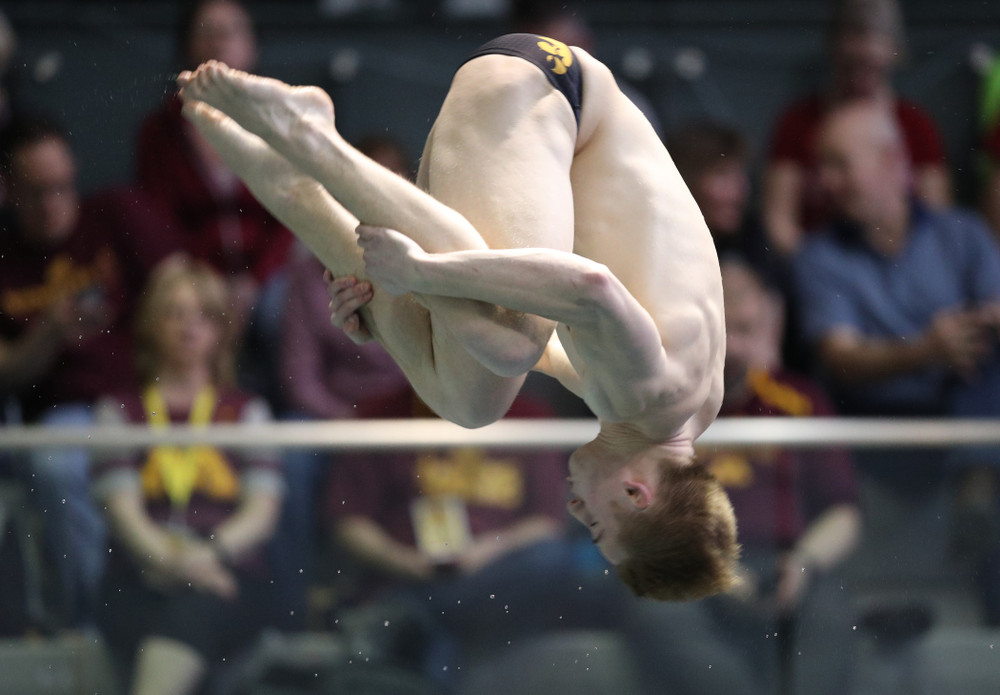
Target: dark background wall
99,66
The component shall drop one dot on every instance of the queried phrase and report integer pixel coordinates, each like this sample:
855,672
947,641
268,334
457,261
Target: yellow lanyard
178,466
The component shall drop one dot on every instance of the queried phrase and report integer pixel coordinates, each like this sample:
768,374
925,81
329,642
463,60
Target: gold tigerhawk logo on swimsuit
559,54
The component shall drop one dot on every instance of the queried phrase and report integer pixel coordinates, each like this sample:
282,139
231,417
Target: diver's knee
518,352
474,414
477,407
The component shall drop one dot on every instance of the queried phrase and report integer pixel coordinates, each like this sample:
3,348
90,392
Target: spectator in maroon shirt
468,543
864,43
187,581
798,521
215,216
69,275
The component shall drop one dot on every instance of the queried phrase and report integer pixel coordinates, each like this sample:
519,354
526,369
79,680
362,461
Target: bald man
552,232
900,300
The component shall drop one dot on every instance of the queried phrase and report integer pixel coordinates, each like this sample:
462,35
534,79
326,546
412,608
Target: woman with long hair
187,582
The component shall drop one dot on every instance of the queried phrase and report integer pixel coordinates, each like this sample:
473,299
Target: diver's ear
638,493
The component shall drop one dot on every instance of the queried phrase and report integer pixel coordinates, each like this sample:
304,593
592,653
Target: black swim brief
554,58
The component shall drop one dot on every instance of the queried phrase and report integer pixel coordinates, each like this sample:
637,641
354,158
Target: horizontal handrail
393,435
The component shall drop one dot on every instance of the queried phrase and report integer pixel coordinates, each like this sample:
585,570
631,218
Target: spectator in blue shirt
901,302
903,306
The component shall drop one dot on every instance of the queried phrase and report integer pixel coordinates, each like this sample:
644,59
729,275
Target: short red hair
683,546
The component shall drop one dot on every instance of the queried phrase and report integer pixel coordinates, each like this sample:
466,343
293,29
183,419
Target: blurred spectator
799,520
216,217
865,43
187,579
467,544
900,300
69,276
324,376
714,160
903,303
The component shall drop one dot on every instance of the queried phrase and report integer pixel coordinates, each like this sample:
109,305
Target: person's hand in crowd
417,565
959,339
481,553
989,317
347,296
197,563
793,578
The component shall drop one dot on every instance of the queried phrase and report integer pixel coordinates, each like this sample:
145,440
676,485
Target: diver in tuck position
552,232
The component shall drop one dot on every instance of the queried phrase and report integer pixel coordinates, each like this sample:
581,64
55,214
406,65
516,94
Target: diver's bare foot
266,107
242,151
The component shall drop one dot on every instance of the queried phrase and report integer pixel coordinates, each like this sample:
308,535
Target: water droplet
492,596
386,623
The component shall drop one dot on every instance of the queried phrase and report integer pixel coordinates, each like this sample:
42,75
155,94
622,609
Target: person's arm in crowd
955,339
256,518
491,546
250,526
782,191
823,546
370,543
828,540
152,547
165,558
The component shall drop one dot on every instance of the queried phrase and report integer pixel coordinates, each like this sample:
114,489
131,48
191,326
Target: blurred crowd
853,286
